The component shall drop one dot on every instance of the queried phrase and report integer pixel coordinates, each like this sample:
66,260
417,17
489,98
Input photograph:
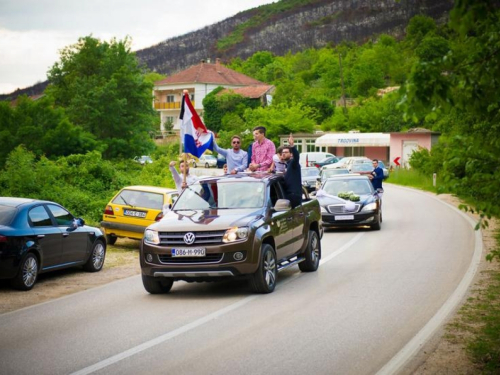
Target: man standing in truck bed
293,176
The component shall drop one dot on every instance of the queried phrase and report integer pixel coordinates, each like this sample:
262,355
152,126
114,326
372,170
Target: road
373,295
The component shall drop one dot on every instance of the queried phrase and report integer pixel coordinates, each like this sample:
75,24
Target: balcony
171,105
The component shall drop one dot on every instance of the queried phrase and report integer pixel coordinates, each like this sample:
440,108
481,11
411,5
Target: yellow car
133,209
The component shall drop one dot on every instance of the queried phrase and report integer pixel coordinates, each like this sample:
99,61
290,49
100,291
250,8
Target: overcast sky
33,31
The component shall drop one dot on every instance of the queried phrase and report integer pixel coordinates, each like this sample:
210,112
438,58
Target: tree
103,89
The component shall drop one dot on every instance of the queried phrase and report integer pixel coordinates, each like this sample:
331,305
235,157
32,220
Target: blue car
40,236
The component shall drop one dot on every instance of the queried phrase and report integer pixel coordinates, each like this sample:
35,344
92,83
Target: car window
7,214
275,193
63,217
136,198
39,217
360,187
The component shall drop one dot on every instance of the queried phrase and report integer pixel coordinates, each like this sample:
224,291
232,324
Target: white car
143,160
207,161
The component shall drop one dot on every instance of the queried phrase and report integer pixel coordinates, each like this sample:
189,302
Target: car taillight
316,165
3,239
159,216
108,210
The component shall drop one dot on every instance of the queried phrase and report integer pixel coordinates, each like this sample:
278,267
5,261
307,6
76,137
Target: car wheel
206,165
377,225
111,239
264,279
96,259
28,273
194,165
312,253
157,285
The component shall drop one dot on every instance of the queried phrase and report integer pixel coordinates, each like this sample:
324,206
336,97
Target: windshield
135,198
310,172
221,194
358,186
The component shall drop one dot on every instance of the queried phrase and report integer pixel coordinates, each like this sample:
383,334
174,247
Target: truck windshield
221,194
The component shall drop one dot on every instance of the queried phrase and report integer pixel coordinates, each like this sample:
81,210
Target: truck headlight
235,234
370,207
151,236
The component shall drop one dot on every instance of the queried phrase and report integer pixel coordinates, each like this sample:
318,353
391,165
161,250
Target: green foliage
83,183
104,91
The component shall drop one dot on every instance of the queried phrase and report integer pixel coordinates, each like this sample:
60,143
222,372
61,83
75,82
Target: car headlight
370,207
235,234
323,210
151,236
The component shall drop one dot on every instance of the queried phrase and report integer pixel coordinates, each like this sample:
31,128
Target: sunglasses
236,142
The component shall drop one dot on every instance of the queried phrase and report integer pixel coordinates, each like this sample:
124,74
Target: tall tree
103,89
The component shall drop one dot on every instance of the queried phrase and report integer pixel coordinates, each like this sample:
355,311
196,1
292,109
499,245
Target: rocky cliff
304,24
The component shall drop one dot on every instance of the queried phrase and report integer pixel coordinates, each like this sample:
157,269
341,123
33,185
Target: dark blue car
40,236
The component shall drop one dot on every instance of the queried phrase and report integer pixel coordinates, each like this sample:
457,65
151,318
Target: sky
32,32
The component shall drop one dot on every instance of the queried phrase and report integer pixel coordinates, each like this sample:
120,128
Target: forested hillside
282,27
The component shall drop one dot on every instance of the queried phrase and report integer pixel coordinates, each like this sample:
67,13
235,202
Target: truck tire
312,253
264,279
156,285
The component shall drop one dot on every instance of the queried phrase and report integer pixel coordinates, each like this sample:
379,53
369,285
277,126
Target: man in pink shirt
262,151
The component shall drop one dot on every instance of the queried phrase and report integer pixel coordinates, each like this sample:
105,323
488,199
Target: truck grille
202,238
340,209
209,258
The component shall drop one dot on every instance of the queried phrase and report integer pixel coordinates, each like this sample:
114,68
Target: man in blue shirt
236,158
377,175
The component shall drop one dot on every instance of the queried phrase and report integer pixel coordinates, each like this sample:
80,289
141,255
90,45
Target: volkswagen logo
189,238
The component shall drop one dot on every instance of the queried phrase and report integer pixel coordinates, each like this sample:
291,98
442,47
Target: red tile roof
210,73
252,92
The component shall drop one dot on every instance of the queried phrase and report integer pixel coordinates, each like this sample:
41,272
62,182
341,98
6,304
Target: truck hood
215,219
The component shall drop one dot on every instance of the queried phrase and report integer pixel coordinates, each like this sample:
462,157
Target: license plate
200,252
140,214
344,217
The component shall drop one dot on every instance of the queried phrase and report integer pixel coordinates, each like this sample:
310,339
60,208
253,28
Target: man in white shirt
180,185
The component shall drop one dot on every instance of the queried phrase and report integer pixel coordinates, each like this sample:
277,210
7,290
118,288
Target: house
199,80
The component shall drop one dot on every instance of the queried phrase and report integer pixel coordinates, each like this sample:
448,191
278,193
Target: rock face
315,24
295,26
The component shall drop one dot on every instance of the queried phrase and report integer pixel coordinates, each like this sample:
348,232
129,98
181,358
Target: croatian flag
194,133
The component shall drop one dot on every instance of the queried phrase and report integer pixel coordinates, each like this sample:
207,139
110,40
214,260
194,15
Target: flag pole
184,174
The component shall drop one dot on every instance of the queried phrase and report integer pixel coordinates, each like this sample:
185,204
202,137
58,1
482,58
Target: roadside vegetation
75,145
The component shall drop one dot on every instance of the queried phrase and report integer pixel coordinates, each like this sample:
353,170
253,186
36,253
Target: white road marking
397,362
188,327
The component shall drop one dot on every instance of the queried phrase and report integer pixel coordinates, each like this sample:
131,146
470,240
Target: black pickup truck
231,227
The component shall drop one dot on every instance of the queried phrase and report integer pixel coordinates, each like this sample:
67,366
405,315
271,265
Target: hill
282,27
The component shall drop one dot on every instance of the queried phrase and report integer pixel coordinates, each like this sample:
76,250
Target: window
310,145
170,98
39,217
192,97
63,217
275,194
170,119
354,151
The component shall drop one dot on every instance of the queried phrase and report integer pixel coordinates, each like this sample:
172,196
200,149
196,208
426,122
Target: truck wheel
264,279
312,253
155,285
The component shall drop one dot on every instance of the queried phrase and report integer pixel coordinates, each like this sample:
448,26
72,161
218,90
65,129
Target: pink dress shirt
262,153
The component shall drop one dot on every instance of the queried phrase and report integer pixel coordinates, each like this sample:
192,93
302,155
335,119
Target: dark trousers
295,199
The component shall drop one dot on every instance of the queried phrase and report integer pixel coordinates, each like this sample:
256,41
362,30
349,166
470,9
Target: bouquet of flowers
348,195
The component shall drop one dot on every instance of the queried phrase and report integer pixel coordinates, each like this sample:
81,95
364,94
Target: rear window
136,198
7,214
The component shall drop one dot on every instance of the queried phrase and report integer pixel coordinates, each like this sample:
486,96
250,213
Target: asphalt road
374,292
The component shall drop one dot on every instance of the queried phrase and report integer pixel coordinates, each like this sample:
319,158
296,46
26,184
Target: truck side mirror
282,205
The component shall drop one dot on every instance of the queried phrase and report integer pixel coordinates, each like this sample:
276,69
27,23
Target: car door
46,235
281,224
296,224
74,240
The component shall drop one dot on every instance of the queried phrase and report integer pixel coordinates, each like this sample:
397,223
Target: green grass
415,179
